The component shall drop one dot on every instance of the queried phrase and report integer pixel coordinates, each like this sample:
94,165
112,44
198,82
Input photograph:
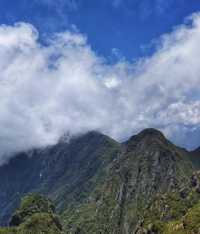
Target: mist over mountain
70,88
100,117
101,186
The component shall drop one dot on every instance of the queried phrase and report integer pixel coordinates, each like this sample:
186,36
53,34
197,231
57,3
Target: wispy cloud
64,86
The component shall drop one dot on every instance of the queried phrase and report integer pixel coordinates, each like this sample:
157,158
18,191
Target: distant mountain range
146,185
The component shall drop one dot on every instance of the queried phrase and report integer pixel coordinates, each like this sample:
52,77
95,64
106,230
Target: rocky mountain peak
146,138
150,175
151,132
102,186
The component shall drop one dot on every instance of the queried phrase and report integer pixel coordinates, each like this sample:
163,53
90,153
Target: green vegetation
146,185
188,224
172,214
145,190
30,205
34,216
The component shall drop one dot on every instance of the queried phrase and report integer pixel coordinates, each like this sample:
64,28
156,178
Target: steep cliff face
66,172
144,185
150,167
194,156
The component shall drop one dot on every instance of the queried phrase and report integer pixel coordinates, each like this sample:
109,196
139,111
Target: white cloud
64,86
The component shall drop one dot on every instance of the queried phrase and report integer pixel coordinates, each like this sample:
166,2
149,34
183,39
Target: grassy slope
66,172
149,184
35,215
149,176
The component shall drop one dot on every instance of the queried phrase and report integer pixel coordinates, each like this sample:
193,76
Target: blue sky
128,25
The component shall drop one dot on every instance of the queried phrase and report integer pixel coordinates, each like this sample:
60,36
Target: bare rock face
102,186
66,172
148,172
152,165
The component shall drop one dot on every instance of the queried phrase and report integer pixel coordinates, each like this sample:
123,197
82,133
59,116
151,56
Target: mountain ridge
47,170
149,165
96,176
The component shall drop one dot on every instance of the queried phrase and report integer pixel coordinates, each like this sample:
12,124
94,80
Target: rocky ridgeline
99,186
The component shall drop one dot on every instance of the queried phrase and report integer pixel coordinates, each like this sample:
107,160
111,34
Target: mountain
195,157
150,173
66,172
144,185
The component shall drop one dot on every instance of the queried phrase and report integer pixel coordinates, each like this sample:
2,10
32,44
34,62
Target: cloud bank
63,86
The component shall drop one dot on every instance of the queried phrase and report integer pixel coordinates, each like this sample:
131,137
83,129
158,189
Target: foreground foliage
146,185
34,216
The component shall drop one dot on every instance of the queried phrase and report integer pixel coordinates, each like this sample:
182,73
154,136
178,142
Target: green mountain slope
146,185
151,174
66,172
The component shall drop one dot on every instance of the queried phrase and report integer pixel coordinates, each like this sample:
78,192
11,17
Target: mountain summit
101,186
150,133
148,168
